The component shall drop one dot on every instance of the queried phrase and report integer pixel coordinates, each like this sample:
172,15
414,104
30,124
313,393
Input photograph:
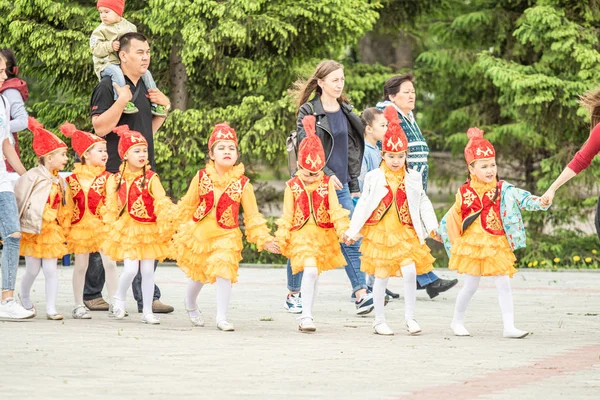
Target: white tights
309,289
130,270
471,283
409,273
32,269
223,296
80,268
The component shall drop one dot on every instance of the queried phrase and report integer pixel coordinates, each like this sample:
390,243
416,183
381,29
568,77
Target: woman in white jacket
395,216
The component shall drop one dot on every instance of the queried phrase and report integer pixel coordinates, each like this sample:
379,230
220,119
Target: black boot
439,286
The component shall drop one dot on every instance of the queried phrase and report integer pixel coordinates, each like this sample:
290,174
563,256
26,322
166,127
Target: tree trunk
395,51
179,77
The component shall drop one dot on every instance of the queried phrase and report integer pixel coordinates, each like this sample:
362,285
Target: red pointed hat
128,139
222,132
311,155
81,141
394,140
117,6
478,148
44,141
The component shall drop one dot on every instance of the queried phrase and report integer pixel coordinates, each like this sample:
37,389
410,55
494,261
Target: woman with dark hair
341,133
16,92
399,92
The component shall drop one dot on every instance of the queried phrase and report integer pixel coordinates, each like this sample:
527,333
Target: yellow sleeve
188,203
338,214
257,230
110,211
65,212
454,220
284,223
163,207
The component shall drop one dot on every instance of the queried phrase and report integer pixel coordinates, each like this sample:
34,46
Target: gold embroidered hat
128,139
81,141
311,155
478,148
222,132
394,140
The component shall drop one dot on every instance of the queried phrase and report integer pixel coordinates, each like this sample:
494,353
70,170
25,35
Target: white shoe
32,309
459,330
111,311
55,317
80,312
412,327
196,321
381,328
150,319
515,333
225,326
306,325
293,303
118,313
11,310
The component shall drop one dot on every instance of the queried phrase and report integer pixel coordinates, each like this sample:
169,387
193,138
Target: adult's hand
123,93
156,96
546,199
336,182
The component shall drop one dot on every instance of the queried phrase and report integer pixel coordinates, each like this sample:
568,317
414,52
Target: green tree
218,60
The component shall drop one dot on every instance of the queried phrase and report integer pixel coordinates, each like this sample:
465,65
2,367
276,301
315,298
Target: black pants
94,281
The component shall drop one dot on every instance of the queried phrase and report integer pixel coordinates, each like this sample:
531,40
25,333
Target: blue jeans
9,224
351,253
116,75
427,278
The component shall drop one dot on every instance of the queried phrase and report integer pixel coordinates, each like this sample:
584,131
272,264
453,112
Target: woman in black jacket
341,133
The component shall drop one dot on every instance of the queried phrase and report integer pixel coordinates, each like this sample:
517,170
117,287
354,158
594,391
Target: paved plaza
267,358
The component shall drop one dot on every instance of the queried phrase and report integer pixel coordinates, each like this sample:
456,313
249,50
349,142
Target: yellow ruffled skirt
314,246
205,252
479,253
50,243
127,238
86,236
385,251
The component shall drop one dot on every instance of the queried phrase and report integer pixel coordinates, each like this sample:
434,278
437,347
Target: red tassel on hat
44,141
311,155
478,148
80,141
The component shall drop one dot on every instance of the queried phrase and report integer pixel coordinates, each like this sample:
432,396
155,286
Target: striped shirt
418,151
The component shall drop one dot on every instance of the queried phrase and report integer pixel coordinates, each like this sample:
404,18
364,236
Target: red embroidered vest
138,200
228,206
386,202
317,204
91,201
490,211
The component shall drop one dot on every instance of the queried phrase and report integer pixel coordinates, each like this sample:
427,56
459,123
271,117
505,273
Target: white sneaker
118,313
55,317
80,312
150,319
459,330
515,333
225,326
412,327
196,321
381,328
293,303
111,312
11,310
306,325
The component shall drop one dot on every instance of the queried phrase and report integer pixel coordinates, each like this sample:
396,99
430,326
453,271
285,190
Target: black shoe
393,295
419,287
439,286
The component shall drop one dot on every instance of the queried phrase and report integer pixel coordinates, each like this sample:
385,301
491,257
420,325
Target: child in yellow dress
482,229
138,231
88,189
208,244
395,216
45,207
312,222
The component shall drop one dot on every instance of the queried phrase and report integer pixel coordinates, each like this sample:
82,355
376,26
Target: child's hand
348,240
546,199
272,247
436,236
116,45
